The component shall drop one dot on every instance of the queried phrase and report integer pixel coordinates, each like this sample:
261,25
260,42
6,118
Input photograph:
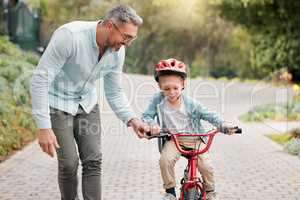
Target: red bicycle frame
192,180
193,160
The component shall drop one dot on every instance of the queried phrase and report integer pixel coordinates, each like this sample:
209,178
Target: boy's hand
153,130
229,129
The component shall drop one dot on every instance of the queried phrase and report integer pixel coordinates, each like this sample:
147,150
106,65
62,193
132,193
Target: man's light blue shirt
67,71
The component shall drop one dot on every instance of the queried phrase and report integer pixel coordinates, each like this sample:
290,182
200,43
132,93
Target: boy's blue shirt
195,110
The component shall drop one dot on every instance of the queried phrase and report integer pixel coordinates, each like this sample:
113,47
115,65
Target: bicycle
192,187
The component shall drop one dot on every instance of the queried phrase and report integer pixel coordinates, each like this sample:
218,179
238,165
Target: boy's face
171,86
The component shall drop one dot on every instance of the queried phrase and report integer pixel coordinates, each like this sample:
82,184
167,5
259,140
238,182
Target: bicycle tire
193,194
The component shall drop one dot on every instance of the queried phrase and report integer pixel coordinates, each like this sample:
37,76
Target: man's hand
47,141
139,127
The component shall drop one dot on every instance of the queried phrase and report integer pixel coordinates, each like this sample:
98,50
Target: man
64,83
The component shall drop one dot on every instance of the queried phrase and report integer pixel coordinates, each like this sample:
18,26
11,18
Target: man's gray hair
124,14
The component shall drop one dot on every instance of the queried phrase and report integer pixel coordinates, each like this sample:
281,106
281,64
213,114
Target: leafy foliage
16,125
55,13
190,30
195,34
290,111
280,138
293,146
274,29
289,140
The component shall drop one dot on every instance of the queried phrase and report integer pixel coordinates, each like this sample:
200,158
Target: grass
280,138
290,141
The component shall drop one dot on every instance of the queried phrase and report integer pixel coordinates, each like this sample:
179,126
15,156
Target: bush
293,146
8,48
16,124
288,111
290,141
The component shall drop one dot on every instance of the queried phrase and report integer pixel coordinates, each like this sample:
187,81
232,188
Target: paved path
247,167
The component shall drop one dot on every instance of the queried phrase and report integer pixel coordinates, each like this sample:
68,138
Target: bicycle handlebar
164,133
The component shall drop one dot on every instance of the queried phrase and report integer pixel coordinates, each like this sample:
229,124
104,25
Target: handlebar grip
238,131
148,134
162,135
163,131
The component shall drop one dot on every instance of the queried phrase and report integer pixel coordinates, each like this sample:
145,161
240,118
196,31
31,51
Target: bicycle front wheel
193,194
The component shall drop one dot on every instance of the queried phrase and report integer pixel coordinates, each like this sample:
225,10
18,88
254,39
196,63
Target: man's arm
118,101
216,120
211,117
116,97
50,64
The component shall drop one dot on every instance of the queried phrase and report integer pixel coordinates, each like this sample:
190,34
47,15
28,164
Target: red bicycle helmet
169,67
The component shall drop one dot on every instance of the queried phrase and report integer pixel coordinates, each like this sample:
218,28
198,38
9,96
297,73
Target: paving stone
247,166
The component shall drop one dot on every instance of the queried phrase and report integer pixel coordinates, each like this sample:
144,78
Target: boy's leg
62,125
88,138
207,172
169,156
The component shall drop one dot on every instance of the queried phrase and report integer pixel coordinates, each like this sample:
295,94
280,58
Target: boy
179,113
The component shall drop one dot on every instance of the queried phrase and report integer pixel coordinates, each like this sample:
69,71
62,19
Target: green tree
55,13
274,29
2,29
190,30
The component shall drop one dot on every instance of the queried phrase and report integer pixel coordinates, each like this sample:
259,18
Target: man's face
121,34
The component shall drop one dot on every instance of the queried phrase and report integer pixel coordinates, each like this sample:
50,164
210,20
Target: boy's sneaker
212,195
169,196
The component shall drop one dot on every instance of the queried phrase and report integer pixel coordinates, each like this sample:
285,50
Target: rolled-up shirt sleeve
56,54
115,95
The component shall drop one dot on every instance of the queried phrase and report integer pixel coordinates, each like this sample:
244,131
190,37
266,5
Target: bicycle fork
190,179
